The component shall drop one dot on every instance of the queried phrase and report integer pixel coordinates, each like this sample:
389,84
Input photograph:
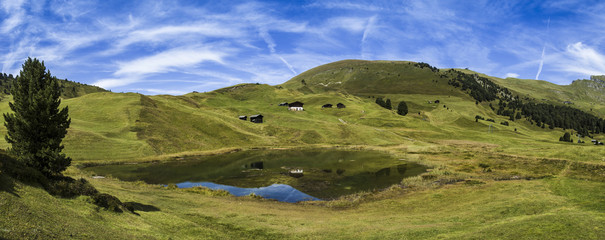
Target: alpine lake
285,175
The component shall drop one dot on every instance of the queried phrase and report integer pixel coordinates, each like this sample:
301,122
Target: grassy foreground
555,207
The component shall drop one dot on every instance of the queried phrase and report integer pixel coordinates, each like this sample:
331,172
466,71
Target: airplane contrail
543,50
271,45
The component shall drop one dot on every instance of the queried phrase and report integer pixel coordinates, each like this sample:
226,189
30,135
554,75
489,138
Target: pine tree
402,108
387,104
380,102
36,127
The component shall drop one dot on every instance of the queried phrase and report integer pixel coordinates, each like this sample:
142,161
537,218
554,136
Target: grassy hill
125,127
588,95
537,187
371,78
69,89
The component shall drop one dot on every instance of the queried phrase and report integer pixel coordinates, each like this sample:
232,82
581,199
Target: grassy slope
585,94
125,127
102,127
130,127
554,208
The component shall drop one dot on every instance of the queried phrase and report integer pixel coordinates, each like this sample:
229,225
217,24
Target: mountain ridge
69,89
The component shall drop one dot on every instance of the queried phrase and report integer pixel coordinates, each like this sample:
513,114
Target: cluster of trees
6,83
542,114
68,89
552,116
385,104
480,88
563,117
423,65
566,138
402,107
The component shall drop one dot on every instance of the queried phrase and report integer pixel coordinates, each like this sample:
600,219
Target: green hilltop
535,186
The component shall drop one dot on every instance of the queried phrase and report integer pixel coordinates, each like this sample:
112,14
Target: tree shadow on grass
135,206
8,185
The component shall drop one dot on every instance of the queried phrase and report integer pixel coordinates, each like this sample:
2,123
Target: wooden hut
327,106
256,118
340,105
296,106
243,118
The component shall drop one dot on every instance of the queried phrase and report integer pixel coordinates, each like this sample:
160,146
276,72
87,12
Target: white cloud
178,59
159,91
346,5
512,75
170,60
195,30
351,24
11,5
115,82
15,19
584,59
16,15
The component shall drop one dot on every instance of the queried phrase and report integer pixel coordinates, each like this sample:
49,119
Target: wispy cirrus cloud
583,59
16,15
177,59
348,5
169,60
153,45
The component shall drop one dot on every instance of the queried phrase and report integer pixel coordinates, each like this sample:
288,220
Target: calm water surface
327,173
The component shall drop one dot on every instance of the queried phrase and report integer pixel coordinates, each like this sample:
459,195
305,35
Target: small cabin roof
255,116
296,104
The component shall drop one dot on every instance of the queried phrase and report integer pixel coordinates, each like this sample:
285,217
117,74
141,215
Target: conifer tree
37,126
402,108
387,104
380,102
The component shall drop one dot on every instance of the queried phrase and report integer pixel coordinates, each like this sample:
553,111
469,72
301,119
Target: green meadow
485,180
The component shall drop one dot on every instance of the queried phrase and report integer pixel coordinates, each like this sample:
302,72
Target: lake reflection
326,173
279,192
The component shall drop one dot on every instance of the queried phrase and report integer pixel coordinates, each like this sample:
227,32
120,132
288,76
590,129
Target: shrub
69,188
108,201
207,191
473,182
566,137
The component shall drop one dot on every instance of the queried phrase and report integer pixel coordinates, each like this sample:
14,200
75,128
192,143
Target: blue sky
175,47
